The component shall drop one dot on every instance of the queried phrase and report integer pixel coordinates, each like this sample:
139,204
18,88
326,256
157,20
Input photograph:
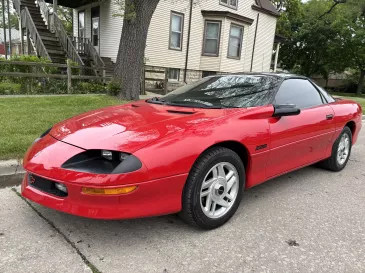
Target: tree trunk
361,82
132,46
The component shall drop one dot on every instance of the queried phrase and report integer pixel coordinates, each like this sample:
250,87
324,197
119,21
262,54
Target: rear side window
299,92
324,93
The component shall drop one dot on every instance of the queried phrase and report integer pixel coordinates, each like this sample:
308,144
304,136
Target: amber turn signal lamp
106,191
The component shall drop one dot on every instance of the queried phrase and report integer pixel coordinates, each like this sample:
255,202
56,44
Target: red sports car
193,151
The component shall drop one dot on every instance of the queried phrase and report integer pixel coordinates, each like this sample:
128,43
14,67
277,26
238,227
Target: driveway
310,220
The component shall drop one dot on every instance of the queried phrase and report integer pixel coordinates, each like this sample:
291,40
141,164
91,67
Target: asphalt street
310,220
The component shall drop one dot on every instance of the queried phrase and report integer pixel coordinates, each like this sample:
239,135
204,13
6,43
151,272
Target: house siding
157,51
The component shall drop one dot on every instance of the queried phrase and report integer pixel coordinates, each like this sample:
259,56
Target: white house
225,35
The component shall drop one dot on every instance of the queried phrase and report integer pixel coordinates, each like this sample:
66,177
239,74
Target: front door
95,28
300,140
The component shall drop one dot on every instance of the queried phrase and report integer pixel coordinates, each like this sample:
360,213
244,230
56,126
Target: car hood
129,127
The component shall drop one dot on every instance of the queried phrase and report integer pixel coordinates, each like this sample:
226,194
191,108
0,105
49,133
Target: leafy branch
336,2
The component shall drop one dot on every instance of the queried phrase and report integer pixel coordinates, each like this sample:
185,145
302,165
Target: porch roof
72,3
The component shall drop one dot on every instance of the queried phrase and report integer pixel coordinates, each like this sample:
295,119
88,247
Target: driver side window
299,92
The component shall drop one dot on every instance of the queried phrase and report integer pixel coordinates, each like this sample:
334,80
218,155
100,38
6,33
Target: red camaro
193,151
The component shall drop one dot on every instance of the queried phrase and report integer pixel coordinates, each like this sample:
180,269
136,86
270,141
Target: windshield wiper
193,104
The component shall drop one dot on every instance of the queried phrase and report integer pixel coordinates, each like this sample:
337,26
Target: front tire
214,188
341,151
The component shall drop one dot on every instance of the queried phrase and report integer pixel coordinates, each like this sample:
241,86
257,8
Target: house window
176,30
229,3
81,24
174,74
212,33
235,41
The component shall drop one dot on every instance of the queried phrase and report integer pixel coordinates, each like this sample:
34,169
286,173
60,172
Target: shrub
351,82
113,88
89,87
7,88
54,86
29,85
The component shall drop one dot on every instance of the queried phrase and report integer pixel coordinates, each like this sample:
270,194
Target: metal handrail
28,23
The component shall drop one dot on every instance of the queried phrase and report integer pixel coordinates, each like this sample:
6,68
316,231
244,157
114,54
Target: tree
137,15
14,23
65,15
328,37
291,12
350,28
308,47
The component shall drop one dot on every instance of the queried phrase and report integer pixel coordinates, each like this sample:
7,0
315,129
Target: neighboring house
15,41
226,35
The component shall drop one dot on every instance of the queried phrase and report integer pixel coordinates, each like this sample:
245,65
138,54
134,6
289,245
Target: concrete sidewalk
28,243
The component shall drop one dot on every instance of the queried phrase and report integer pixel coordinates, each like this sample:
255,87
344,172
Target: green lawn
23,119
360,99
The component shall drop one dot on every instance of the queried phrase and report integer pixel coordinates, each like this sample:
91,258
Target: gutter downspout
254,40
188,41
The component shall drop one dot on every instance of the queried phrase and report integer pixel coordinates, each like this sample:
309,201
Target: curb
11,173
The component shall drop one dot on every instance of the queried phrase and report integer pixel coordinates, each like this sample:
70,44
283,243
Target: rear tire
341,151
214,188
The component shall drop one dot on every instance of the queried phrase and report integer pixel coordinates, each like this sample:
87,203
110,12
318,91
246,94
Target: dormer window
229,3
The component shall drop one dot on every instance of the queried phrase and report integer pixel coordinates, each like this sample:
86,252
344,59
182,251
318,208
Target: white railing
84,46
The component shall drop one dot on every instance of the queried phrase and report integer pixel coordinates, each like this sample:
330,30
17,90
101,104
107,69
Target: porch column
21,36
276,56
29,49
55,6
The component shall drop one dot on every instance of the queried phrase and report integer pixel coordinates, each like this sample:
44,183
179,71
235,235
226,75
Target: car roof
270,74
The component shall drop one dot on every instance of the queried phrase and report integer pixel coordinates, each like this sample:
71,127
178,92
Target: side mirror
283,110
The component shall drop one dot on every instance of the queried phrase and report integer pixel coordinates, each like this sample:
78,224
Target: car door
303,139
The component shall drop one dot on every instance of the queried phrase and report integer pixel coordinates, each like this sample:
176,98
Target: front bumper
154,196
151,198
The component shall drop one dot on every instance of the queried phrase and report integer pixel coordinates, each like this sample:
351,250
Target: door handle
329,117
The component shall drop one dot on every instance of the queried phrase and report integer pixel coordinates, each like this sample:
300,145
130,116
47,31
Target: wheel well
352,126
238,148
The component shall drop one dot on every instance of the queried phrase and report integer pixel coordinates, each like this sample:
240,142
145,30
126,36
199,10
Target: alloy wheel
219,190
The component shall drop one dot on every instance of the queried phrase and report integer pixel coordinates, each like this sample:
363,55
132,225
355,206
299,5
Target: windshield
225,91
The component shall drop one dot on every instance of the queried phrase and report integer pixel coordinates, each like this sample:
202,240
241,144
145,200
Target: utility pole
9,27
3,6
